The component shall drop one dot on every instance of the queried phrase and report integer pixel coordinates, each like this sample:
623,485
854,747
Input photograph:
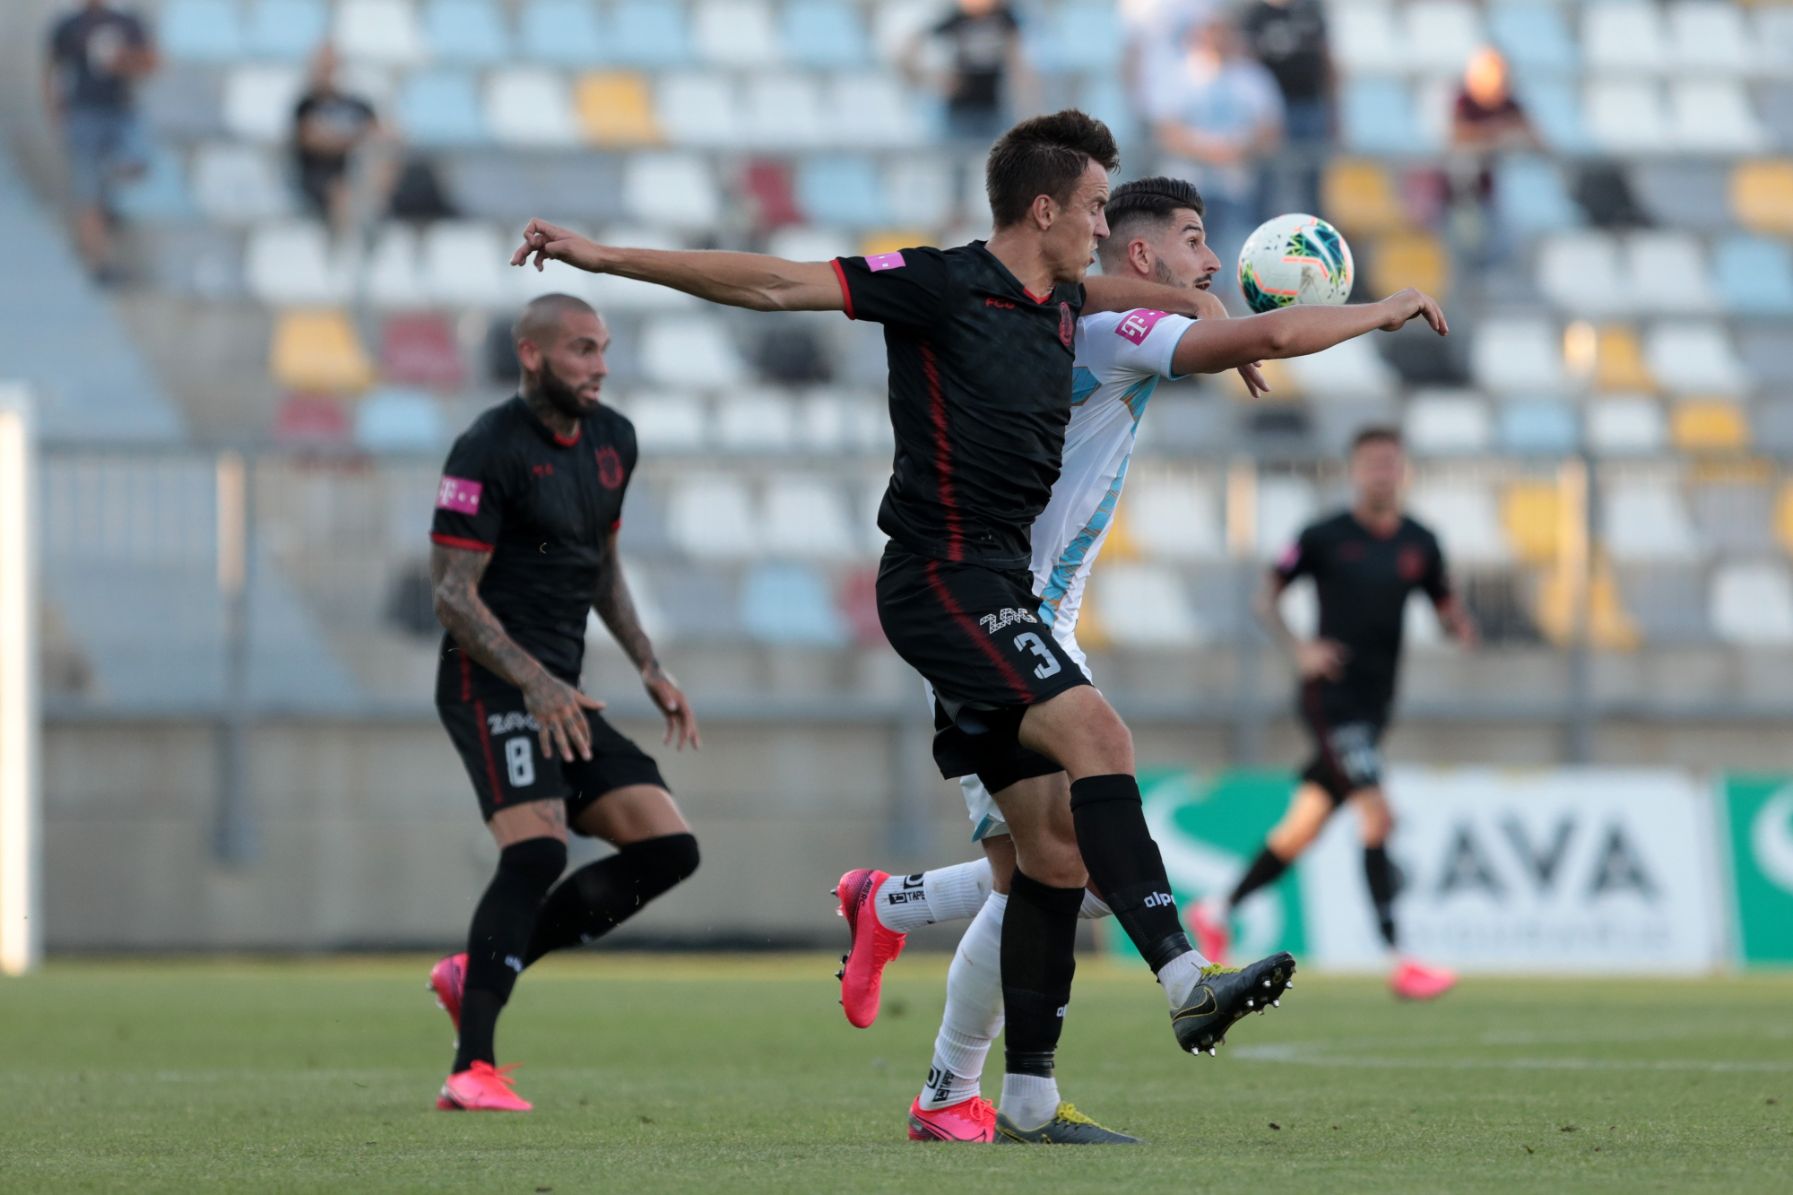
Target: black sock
1039,956
1379,870
1266,869
599,896
498,937
1125,867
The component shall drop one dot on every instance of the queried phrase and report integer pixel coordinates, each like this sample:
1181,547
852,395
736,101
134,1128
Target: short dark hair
1377,433
1044,156
1152,199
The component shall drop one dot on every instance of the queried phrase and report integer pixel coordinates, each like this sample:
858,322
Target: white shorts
986,818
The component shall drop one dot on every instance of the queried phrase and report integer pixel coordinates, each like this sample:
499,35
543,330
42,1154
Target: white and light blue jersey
1121,358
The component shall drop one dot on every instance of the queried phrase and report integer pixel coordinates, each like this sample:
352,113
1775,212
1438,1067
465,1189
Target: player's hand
681,723
559,711
544,242
1321,659
1468,634
1407,304
1255,385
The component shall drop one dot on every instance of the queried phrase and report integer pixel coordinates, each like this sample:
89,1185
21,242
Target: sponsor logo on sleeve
1138,325
884,261
459,495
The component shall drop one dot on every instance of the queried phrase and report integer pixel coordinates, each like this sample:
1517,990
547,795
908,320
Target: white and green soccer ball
1295,258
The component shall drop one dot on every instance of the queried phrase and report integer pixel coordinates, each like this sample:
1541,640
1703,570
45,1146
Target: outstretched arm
1114,292
752,280
1213,346
616,607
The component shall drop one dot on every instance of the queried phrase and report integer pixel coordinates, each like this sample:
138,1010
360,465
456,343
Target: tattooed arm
617,608
558,707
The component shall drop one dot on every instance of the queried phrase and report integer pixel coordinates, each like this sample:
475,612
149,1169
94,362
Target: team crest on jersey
1067,325
1411,564
1006,618
610,467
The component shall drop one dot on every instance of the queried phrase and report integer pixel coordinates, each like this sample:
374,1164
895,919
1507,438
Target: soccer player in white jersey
1156,232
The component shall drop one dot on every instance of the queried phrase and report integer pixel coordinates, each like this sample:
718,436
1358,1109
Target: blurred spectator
97,54
1220,116
329,125
1152,29
1486,120
1289,37
988,77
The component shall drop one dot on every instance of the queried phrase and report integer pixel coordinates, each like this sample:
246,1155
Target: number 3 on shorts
1049,666
519,758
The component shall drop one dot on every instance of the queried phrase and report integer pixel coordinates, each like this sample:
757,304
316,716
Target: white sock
973,1014
1180,975
945,894
1029,1101
1093,909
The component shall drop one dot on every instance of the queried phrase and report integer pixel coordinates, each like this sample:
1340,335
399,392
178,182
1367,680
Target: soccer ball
1295,258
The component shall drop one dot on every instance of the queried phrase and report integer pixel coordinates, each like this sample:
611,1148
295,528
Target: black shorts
1347,733
501,749
974,634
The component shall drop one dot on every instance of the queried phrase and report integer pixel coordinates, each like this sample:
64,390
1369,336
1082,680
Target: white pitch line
1298,1056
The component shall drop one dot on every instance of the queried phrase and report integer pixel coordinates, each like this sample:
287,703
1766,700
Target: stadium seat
871,111
1444,423
1774,108
1534,37
1735,516
1531,514
807,517
1442,35
1619,361
649,33
1752,604
1708,426
420,350
766,184
1518,355
756,422
823,34
1105,97
1366,39
464,263
1349,370
318,352
919,191
240,184
784,112
1644,520
1653,258
1556,111
285,30
183,105
675,190
1754,276
735,33
842,191
1768,355
1693,358
310,419
1625,425
1783,517
292,264
1536,427
1667,602
1713,116
1682,194
392,277
1626,116
1174,516
440,109
395,420
530,107
1379,118
1083,36
1410,259
259,101
615,110
700,109
466,32
790,605
1762,196
560,33
1159,613
159,194
379,31
1624,36
1773,34
670,423
1709,37
1285,506
1580,273
1610,626
1359,196
1773,420
201,31
1466,514
1532,198
711,517
694,351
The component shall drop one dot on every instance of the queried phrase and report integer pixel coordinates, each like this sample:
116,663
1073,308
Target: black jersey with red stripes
980,395
544,506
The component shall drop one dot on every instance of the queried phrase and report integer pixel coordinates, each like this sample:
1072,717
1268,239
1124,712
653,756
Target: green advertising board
1208,830
1758,813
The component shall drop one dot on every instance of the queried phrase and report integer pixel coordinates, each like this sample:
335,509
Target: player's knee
660,863
1378,820
1100,740
1056,863
535,862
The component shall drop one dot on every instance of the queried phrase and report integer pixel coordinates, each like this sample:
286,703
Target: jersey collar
1014,282
547,433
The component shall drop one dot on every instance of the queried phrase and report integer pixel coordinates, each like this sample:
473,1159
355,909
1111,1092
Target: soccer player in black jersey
980,342
523,547
1364,562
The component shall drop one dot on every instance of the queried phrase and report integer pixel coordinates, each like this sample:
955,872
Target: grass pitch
739,1074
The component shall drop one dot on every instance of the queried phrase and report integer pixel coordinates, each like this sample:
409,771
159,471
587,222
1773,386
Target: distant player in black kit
524,546
1364,562
980,344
